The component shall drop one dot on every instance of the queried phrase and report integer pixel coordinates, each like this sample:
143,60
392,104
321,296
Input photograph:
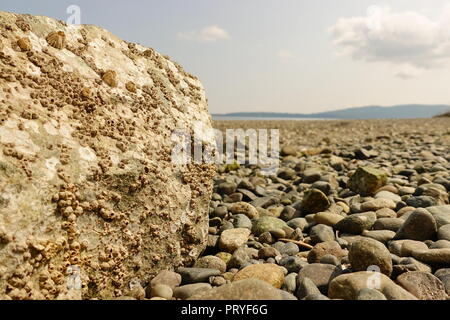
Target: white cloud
409,41
207,34
285,54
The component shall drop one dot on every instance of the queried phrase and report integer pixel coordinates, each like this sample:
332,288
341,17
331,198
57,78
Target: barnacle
23,25
131,87
110,77
57,39
24,44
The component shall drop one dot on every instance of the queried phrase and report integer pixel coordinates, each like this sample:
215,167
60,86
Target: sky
296,56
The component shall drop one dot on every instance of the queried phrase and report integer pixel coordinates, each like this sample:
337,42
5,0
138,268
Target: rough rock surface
86,177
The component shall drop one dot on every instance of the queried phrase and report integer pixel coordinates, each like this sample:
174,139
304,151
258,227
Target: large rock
86,173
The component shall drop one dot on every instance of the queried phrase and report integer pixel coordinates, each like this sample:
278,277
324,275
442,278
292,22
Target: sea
230,118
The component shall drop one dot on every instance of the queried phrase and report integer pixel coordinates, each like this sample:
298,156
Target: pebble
295,223
347,286
268,252
211,262
423,285
366,181
292,263
444,276
357,223
444,233
320,274
186,291
266,224
306,287
368,253
195,275
377,204
386,213
290,283
370,294
392,224
384,194
433,256
242,221
166,277
441,214
321,233
327,218
420,225
232,239
246,209
161,291
289,249
330,259
247,289
384,236
241,256
326,248
271,273
315,201
226,188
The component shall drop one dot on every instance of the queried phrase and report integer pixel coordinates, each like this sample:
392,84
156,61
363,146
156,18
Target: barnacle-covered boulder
90,198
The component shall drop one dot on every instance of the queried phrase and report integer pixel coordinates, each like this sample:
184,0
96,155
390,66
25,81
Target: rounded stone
347,286
370,294
271,273
433,256
315,201
327,218
232,239
247,289
386,213
357,223
186,291
268,252
321,233
169,278
423,285
320,274
444,232
242,221
384,236
211,262
326,248
245,209
366,181
420,225
377,204
330,259
367,253
392,224
267,224
224,256
162,291
289,249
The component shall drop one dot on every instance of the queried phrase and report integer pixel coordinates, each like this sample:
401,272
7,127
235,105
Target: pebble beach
358,210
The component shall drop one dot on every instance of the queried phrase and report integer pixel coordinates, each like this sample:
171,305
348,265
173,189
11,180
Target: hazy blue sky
287,55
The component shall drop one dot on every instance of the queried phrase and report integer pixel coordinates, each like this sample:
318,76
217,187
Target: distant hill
409,111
